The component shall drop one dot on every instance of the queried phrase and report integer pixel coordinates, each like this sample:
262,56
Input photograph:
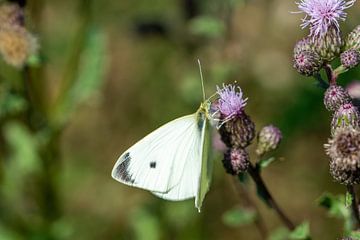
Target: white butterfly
173,161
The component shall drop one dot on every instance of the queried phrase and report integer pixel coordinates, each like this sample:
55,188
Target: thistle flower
329,45
334,97
231,102
350,58
323,14
347,116
342,176
236,160
304,44
268,139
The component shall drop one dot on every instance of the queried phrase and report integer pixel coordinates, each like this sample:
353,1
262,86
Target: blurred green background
110,72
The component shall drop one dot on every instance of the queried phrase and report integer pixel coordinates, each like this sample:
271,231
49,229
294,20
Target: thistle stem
331,74
255,175
354,205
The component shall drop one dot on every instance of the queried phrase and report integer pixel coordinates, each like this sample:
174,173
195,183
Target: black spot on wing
152,164
122,169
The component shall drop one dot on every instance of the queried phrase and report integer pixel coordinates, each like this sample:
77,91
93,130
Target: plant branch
244,195
332,77
254,173
354,204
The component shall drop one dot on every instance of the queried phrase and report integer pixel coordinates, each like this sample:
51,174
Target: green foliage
10,103
239,217
336,205
301,232
263,163
281,233
22,161
90,75
145,225
207,26
355,234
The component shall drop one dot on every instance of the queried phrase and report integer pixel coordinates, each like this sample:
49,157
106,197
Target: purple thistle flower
231,102
323,14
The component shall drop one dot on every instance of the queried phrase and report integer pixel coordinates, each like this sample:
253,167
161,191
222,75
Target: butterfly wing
164,161
206,163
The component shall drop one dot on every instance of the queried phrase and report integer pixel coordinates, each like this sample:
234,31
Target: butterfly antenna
202,80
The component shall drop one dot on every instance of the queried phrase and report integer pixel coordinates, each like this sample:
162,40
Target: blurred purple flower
231,102
354,89
323,14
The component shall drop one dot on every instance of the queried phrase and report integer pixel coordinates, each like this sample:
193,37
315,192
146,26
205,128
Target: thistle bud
303,45
16,45
344,149
236,160
347,116
11,14
238,132
307,62
346,177
268,139
353,39
328,46
334,97
350,58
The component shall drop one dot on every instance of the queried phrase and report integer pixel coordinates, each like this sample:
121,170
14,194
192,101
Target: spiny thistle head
16,45
307,62
350,58
231,102
329,45
347,116
334,97
353,39
11,14
268,139
320,15
342,176
344,149
304,44
236,160
238,132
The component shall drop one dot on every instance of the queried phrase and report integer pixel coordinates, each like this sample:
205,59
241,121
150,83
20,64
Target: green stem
354,205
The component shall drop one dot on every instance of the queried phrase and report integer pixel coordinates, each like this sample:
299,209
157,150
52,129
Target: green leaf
239,217
10,103
281,233
301,232
90,75
146,226
207,26
355,234
22,161
348,199
335,205
266,162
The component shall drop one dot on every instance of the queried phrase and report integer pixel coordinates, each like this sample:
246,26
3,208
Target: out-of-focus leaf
355,235
243,177
239,216
90,75
11,103
348,199
62,229
266,162
335,205
23,159
145,225
180,213
7,234
207,26
279,234
34,60
301,232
